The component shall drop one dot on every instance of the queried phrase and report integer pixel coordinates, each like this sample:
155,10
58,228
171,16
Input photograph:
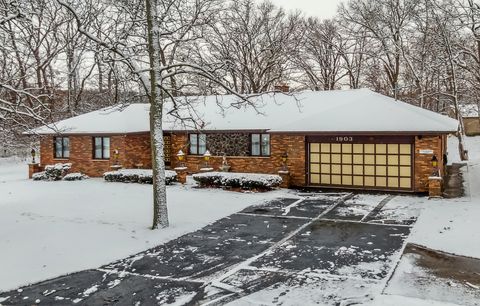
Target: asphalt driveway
330,238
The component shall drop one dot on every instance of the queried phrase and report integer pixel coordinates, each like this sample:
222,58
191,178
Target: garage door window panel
362,165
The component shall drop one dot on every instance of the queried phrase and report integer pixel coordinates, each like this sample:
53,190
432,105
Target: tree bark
160,211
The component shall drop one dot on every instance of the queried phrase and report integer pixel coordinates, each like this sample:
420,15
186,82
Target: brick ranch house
351,139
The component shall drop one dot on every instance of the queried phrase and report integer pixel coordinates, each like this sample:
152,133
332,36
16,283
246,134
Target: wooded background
57,62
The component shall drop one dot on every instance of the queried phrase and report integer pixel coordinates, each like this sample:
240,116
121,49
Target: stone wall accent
232,144
279,144
423,162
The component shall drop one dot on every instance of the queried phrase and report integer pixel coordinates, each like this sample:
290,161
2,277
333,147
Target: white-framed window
101,147
260,144
198,144
61,147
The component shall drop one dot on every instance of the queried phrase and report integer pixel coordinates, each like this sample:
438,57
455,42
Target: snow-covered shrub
238,180
76,176
52,172
39,176
142,176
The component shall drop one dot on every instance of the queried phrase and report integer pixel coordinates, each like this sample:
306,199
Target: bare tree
167,21
385,22
322,54
254,41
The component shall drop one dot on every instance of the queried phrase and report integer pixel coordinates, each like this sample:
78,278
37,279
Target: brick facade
134,151
423,162
279,144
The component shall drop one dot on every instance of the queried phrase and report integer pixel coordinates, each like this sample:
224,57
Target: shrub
75,177
238,180
142,176
39,176
52,172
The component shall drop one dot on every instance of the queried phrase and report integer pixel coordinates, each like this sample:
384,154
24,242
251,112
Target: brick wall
293,145
81,154
135,149
138,151
423,162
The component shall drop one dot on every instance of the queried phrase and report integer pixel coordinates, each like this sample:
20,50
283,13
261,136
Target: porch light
206,156
33,153
180,156
284,161
435,171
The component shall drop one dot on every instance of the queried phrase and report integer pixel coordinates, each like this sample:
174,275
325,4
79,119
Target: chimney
282,88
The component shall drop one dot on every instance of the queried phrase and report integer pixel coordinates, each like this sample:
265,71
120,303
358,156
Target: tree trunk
160,211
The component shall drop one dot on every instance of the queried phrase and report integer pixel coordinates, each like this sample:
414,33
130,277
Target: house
471,119
354,139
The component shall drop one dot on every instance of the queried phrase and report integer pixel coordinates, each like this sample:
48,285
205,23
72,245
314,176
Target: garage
364,162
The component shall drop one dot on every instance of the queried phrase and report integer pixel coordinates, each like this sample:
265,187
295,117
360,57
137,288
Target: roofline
408,133
307,133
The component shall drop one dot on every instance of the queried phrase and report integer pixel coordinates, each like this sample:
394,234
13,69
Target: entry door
361,165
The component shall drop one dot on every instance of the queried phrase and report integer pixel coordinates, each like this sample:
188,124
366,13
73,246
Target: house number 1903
344,139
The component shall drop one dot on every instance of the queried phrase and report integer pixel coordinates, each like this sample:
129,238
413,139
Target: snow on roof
360,110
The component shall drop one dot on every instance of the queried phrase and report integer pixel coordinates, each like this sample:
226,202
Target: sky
318,8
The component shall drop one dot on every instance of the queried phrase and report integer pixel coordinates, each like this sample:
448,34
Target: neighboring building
345,139
471,119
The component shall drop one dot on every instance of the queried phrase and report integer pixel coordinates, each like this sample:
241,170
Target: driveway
340,245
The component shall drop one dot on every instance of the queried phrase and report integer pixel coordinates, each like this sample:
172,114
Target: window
260,145
101,147
198,144
62,147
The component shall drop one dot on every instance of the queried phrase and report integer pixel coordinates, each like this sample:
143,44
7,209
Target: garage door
361,165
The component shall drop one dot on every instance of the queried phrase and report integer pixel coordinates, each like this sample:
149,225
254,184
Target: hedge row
142,176
238,180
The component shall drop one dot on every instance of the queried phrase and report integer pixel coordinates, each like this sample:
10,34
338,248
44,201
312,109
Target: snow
327,111
49,229
452,225
395,300
469,110
75,176
146,173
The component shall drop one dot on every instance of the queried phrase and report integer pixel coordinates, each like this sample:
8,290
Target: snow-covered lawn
52,228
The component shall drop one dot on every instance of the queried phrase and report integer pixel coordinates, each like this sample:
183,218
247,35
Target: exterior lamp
206,157
181,157
115,155
33,153
435,165
284,160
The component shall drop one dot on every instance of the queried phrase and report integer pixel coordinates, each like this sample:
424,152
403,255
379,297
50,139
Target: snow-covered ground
453,225
52,228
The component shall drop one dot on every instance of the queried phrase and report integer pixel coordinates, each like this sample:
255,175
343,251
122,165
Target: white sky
319,8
